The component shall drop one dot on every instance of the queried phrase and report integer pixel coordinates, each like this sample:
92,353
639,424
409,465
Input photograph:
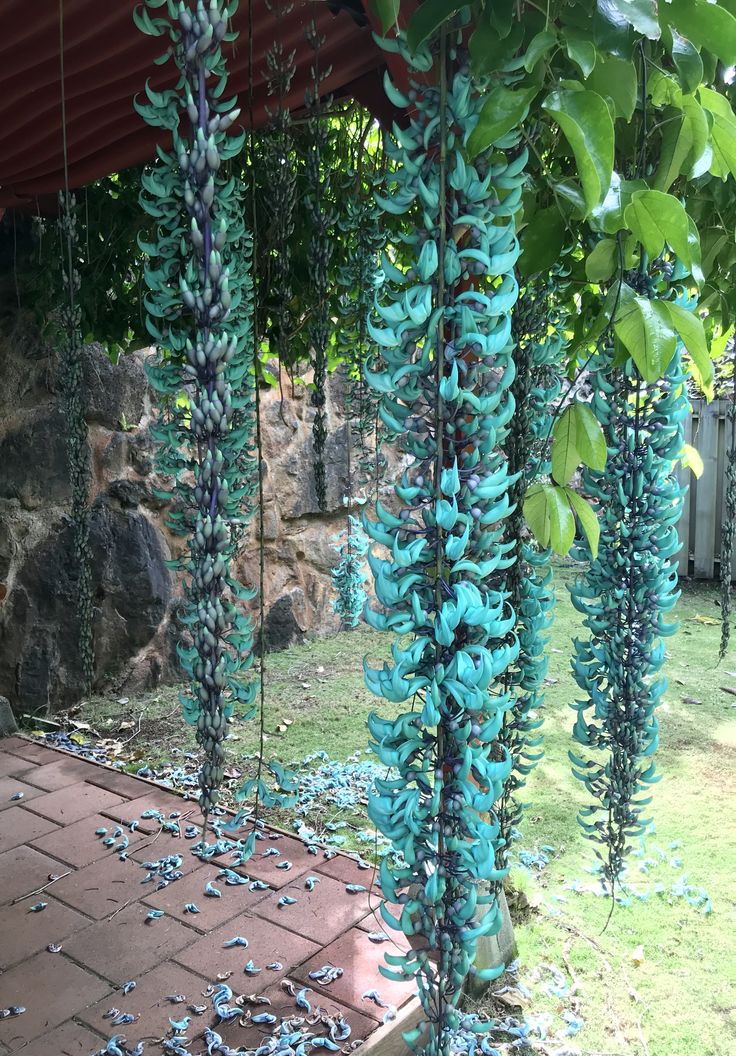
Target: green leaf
502,111
541,240
565,455
586,122
601,263
616,79
387,11
657,218
690,459
688,62
428,17
609,215
689,328
685,136
643,327
664,89
641,14
589,438
538,47
489,51
536,513
723,132
706,25
587,518
583,54
561,520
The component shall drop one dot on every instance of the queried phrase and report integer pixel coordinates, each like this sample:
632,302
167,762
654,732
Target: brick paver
148,1002
52,989
22,870
23,933
98,915
154,800
13,764
321,914
78,845
70,1039
59,773
103,887
125,946
212,911
10,786
359,959
284,1006
73,803
268,944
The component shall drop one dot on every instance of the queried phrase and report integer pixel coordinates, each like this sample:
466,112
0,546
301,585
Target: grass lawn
661,979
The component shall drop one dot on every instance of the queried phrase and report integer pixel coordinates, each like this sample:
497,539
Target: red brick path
98,916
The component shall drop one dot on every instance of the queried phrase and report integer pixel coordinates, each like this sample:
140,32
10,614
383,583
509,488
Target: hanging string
259,440
72,388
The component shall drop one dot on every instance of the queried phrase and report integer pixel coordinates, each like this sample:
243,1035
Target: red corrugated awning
106,62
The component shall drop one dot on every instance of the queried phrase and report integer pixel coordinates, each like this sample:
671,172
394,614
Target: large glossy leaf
609,215
685,135
644,329
561,520
427,19
589,438
616,79
586,122
536,513
657,219
601,262
387,11
723,132
641,14
707,25
689,327
565,455
688,62
587,519
503,110
542,240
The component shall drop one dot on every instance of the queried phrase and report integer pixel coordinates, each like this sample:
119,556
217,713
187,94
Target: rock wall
135,594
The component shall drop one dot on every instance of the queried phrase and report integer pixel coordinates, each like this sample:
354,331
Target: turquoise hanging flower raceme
348,576
626,595
359,278
538,356
444,331
200,315
71,377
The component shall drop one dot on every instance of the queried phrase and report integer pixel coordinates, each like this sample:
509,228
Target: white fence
708,430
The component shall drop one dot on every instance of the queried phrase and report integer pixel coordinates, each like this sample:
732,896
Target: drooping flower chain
348,576
454,629
73,395
279,155
200,314
322,218
359,279
625,597
538,357
728,529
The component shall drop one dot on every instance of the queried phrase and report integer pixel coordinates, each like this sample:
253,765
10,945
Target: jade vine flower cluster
200,315
538,357
71,377
322,220
444,331
348,576
625,597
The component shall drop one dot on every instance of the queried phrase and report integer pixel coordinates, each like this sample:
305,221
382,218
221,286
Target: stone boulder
132,590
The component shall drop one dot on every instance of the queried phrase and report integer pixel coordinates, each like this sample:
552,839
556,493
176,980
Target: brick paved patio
98,912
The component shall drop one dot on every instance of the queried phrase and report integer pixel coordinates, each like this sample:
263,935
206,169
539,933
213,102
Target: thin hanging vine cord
259,443
728,530
73,393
